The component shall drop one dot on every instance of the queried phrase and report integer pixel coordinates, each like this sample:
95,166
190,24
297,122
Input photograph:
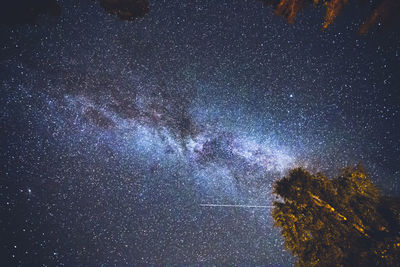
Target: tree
343,221
13,12
384,13
126,9
27,11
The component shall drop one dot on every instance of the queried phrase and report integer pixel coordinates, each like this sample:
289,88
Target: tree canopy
385,11
26,11
13,12
344,221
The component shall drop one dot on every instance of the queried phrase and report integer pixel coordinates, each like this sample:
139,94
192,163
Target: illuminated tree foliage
26,11
126,9
337,222
13,12
386,11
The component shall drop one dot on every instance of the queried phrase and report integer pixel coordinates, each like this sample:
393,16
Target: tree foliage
126,9
26,11
343,221
13,12
385,11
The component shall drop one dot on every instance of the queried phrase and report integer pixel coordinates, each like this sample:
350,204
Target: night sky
114,133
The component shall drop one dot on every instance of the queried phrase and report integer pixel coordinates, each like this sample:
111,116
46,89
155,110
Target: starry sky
114,133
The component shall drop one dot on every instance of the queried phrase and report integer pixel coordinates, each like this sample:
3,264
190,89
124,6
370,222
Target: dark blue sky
113,133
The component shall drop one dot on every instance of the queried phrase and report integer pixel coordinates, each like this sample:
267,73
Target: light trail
235,206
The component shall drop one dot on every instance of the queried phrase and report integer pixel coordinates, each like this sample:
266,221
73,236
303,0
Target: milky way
114,134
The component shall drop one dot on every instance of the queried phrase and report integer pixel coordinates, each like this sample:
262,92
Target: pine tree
337,222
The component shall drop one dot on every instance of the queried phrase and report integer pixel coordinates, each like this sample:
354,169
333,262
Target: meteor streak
235,206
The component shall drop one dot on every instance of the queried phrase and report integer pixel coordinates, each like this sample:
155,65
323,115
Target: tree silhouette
126,9
26,11
337,222
13,12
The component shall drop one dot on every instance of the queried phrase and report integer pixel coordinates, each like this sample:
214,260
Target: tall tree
343,221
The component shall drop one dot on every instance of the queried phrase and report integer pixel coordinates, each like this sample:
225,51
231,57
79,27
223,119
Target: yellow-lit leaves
386,11
289,9
333,8
327,221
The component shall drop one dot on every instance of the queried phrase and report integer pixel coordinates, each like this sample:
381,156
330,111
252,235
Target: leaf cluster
385,12
337,222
